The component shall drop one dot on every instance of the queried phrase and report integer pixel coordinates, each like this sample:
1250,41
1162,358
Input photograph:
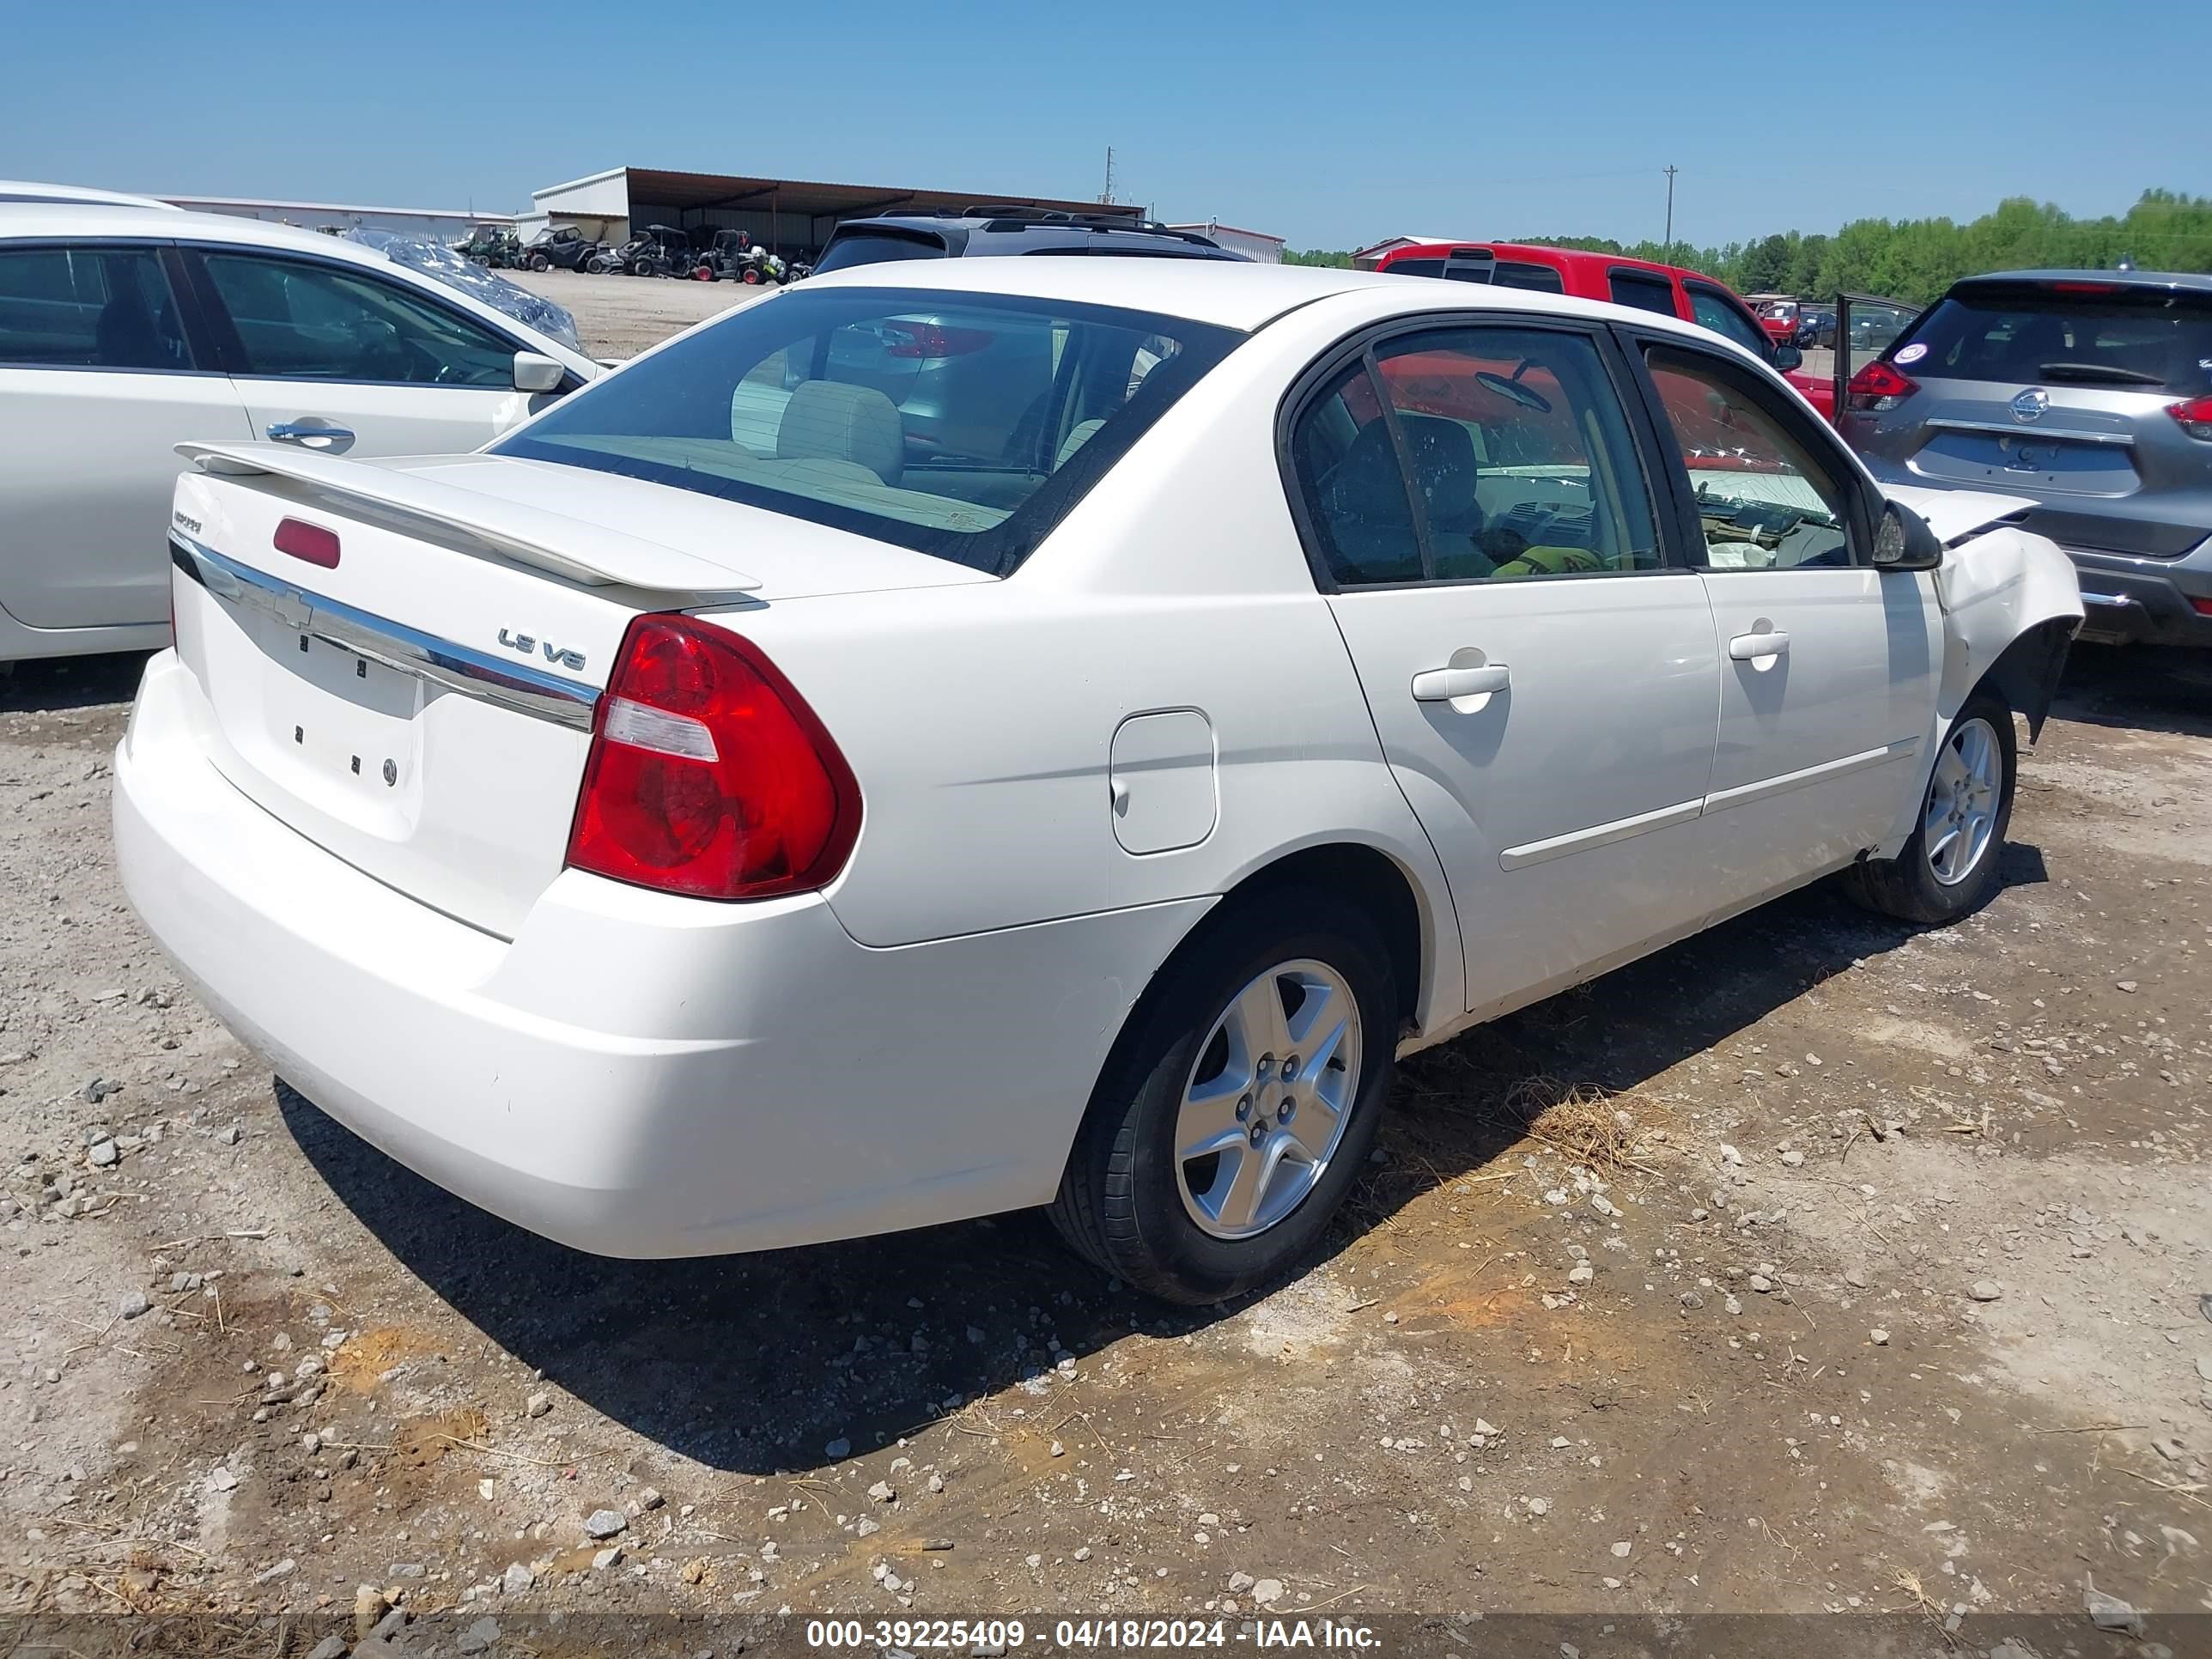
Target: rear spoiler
550,542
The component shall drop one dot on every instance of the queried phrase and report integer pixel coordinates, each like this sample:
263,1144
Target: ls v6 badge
525,644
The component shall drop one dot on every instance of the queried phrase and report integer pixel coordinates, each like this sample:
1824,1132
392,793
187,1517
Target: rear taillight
708,775
308,541
932,341
2201,606
1879,387
2195,417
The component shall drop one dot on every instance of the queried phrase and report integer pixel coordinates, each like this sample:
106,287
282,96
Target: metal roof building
789,216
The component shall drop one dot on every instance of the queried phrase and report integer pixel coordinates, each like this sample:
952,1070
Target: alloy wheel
1961,813
1268,1099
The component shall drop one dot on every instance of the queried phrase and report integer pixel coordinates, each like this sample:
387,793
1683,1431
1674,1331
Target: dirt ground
620,316
1816,1265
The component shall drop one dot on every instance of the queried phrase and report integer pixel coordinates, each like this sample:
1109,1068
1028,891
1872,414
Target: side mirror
1786,358
1904,541
535,373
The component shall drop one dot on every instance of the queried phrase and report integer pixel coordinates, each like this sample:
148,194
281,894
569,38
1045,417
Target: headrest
829,420
1445,467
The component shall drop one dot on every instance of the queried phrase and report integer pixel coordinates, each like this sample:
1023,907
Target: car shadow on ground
58,683
2138,688
758,1364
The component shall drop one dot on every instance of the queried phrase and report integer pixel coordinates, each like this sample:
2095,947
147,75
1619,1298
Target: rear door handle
1445,684
301,432
1747,647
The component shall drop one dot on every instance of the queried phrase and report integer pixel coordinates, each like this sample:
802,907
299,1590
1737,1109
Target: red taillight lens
307,541
708,773
1879,387
932,340
2194,417
2203,607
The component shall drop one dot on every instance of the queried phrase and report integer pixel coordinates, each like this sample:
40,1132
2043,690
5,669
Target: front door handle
1749,648
1449,684
303,432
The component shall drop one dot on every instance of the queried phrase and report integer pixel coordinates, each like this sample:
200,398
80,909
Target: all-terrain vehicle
563,245
494,247
733,256
657,250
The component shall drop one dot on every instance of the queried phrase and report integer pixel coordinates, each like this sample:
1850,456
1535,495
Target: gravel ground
1815,1265
620,316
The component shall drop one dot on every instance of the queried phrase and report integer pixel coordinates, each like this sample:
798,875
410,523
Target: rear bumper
634,1074
2144,601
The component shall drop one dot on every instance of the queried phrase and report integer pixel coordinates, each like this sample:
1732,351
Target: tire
1133,1195
538,262
750,276
1961,874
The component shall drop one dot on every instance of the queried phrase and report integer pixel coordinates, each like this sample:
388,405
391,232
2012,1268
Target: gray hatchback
2089,392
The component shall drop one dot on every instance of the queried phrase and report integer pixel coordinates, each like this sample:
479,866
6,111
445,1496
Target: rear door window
956,424
1514,442
1522,274
89,307
1642,289
2023,334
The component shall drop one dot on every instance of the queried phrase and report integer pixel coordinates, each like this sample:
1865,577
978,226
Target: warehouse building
789,216
425,224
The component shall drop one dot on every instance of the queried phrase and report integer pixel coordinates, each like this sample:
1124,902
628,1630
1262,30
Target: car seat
127,336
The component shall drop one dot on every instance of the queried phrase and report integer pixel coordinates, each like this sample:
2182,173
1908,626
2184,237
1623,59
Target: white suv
1018,732
125,330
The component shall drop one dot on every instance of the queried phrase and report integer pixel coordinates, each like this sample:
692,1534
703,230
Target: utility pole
1106,195
1669,257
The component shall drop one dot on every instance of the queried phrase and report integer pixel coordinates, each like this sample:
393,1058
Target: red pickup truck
1668,289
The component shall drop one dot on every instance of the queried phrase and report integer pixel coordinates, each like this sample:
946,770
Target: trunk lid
422,708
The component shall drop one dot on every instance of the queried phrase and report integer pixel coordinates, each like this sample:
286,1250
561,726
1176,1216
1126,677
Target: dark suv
978,231
2089,392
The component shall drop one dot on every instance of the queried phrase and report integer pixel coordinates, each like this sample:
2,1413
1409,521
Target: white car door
1828,667
1542,680
98,379
343,360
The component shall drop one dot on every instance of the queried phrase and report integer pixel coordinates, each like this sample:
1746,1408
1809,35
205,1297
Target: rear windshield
956,424
873,248
2143,339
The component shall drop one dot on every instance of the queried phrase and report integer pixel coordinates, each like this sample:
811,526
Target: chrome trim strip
2015,429
1603,835
411,651
2088,598
1783,783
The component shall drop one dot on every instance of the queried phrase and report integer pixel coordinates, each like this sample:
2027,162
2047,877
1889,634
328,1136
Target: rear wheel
1240,1103
1949,867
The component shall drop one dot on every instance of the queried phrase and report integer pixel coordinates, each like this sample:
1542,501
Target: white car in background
1042,732
124,330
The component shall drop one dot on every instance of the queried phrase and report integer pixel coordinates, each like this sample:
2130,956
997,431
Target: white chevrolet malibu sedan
125,329
1042,732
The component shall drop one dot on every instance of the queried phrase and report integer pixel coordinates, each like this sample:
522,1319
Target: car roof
44,219
1581,257
2173,281
28,190
1227,294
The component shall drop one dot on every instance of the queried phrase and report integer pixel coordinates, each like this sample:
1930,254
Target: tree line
1916,259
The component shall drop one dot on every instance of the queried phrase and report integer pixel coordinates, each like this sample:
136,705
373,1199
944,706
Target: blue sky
1331,124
